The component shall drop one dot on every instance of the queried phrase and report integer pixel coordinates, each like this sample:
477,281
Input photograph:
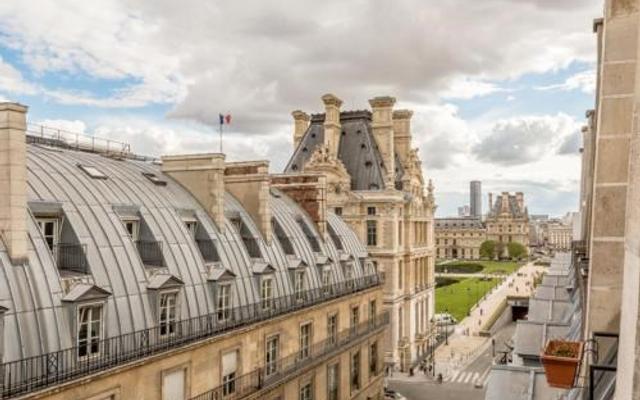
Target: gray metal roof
459,223
37,322
509,382
357,150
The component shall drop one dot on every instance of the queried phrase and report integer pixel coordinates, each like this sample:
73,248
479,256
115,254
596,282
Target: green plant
488,249
561,348
516,250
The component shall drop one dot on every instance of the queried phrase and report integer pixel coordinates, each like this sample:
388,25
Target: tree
488,249
516,250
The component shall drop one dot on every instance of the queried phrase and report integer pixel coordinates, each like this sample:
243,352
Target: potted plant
561,360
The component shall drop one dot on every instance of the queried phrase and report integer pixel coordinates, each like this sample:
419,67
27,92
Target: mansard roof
37,321
357,150
458,223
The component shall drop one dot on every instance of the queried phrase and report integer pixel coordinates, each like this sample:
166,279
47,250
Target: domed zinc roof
37,295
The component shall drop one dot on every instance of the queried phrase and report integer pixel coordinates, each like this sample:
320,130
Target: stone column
13,180
301,124
382,126
402,133
332,127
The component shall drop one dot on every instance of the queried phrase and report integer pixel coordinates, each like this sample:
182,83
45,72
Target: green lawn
457,298
480,266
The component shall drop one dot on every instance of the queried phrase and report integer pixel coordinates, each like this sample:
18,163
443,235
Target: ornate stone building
508,219
459,238
375,183
182,278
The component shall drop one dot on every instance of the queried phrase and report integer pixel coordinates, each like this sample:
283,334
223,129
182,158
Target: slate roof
458,223
357,150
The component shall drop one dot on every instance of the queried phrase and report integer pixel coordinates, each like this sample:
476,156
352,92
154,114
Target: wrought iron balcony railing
50,369
288,367
71,257
150,252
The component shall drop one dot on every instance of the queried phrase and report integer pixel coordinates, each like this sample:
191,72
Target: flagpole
220,137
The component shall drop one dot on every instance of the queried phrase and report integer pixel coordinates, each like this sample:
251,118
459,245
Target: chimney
248,182
383,133
402,133
332,128
301,123
490,201
520,200
309,191
202,176
13,180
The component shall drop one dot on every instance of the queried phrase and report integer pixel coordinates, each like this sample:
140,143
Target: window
400,274
372,233
355,318
332,328
355,371
400,233
49,229
348,275
371,211
167,313
133,228
89,331
266,293
192,227
338,211
334,237
372,312
373,359
333,382
223,301
282,237
173,385
229,372
326,280
271,356
299,285
305,340
305,392
92,171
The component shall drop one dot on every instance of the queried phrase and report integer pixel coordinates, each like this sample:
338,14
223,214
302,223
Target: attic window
92,171
374,186
313,135
344,133
304,150
367,163
363,146
153,178
294,167
358,131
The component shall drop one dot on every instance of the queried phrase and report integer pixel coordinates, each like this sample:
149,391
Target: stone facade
508,219
375,182
459,238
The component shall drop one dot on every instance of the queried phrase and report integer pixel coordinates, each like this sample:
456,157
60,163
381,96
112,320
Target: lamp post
446,328
468,301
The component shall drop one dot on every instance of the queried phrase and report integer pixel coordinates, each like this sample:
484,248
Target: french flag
225,119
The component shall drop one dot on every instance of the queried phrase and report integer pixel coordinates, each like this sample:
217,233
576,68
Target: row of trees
492,250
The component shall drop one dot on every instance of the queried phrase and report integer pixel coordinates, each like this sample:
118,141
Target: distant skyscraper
476,198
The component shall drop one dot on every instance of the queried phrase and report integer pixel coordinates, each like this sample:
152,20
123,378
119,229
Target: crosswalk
469,377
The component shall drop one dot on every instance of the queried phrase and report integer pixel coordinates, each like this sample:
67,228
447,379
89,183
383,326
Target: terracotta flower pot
561,360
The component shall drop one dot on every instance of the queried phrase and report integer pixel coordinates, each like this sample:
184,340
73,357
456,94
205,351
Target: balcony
603,369
51,369
150,252
71,258
293,365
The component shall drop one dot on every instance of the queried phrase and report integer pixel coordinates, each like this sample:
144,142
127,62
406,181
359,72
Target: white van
445,319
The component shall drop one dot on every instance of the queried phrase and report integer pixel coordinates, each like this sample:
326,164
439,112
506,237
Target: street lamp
446,329
468,301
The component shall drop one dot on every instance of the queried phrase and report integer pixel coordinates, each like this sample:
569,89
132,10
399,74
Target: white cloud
467,89
584,81
522,140
12,81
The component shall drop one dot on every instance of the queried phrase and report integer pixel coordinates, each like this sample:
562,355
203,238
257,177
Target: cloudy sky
498,87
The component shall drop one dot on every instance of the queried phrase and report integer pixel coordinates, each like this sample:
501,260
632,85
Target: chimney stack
301,123
13,180
402,133
203,176
490,202
382,124
332,127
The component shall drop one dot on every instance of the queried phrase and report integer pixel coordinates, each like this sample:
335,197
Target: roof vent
313,135
367,163
153,178
344,133
358,131
304,149
294,167
363,146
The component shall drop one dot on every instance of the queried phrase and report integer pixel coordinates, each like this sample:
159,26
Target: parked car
445,319
390,394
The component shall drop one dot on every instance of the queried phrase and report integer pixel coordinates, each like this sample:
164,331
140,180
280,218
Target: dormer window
92,171
348,275
298,284
313,241
50,231
167,315
132,226
192,227
223,301
282,237
326,280
89,330
266,293
334,237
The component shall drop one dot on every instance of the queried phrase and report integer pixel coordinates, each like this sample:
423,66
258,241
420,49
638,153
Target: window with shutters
266,293
89,330
373,359
223,301
50,232
305,340
355,318
271,355
332,328
305,392
173,385
333,382
229,372
326,280
355,371
168,313
299,285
